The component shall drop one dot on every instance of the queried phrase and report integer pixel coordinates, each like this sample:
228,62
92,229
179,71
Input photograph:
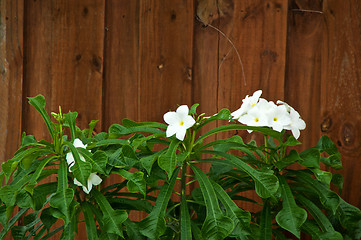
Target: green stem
266,150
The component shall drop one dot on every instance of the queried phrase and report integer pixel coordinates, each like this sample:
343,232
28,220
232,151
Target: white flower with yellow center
178,122
248,104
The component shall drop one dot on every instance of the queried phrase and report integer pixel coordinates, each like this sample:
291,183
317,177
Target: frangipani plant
63,180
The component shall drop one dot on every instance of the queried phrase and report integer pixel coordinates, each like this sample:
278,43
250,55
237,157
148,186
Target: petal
86,190
95,179
76,182
181,133
171,118
171,130
296,132
188,122
69,158
78,143
183,110
257,94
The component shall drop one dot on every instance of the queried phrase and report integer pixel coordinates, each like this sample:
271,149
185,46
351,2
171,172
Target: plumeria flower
279,118
296,123
248,103
69,156
178,122
254,117
93,179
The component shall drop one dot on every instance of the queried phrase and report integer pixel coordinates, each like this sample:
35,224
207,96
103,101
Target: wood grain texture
341,88
11,76
165,57
64,59
303,66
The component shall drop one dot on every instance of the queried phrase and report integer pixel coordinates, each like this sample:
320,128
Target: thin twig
306,10
234,47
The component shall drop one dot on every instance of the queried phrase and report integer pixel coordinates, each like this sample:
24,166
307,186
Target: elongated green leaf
64,195
292,157
154,225
216,225
349,215
240,217
311,228
112,219
266,222
185,219
12,221
91,229
223,114
316,213
40,168
291,217
139,141
311,158
133,230
80,168
233,127
168,160
98,160
328,198
70,118
196,232
39,103
266,183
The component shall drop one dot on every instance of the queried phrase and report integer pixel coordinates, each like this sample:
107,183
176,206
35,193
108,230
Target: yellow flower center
181,123
256,119
275,119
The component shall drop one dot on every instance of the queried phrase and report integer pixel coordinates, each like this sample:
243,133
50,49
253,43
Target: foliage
44,193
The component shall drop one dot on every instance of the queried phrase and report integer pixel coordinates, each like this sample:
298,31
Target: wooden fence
111,59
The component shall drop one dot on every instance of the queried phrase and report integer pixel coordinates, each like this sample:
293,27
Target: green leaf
91,229
12,221
112,219
266,222
216,225
185,220
291,217
240,217
193,109
70,118
136,182
234,127
292,157
168,160
322,176
39,103
291,142
265,181
349,215
81,170
316,213
132,230
154,225
310,158
223,114
325,144
64,195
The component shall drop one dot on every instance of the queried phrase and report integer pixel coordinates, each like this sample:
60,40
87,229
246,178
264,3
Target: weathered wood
64,59
11,76
165,57
341,88
303,66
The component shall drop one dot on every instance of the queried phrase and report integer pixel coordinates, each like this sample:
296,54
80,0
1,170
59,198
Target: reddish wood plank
64,59
303,68
11,76
121,69
341,88
165,57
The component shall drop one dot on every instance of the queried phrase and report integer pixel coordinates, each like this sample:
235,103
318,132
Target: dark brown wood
341,88
11,76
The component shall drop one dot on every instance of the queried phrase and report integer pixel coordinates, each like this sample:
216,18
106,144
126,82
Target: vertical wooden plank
64,62
303,69
11,75
165,57
258,29
64,59
121,58
341,88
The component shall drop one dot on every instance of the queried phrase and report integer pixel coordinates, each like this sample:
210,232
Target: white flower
296,123
178,122
69,156
278,118
93,179
248,103
254,117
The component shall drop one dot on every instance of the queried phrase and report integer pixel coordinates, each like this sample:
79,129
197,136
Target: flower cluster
93,179
256,111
